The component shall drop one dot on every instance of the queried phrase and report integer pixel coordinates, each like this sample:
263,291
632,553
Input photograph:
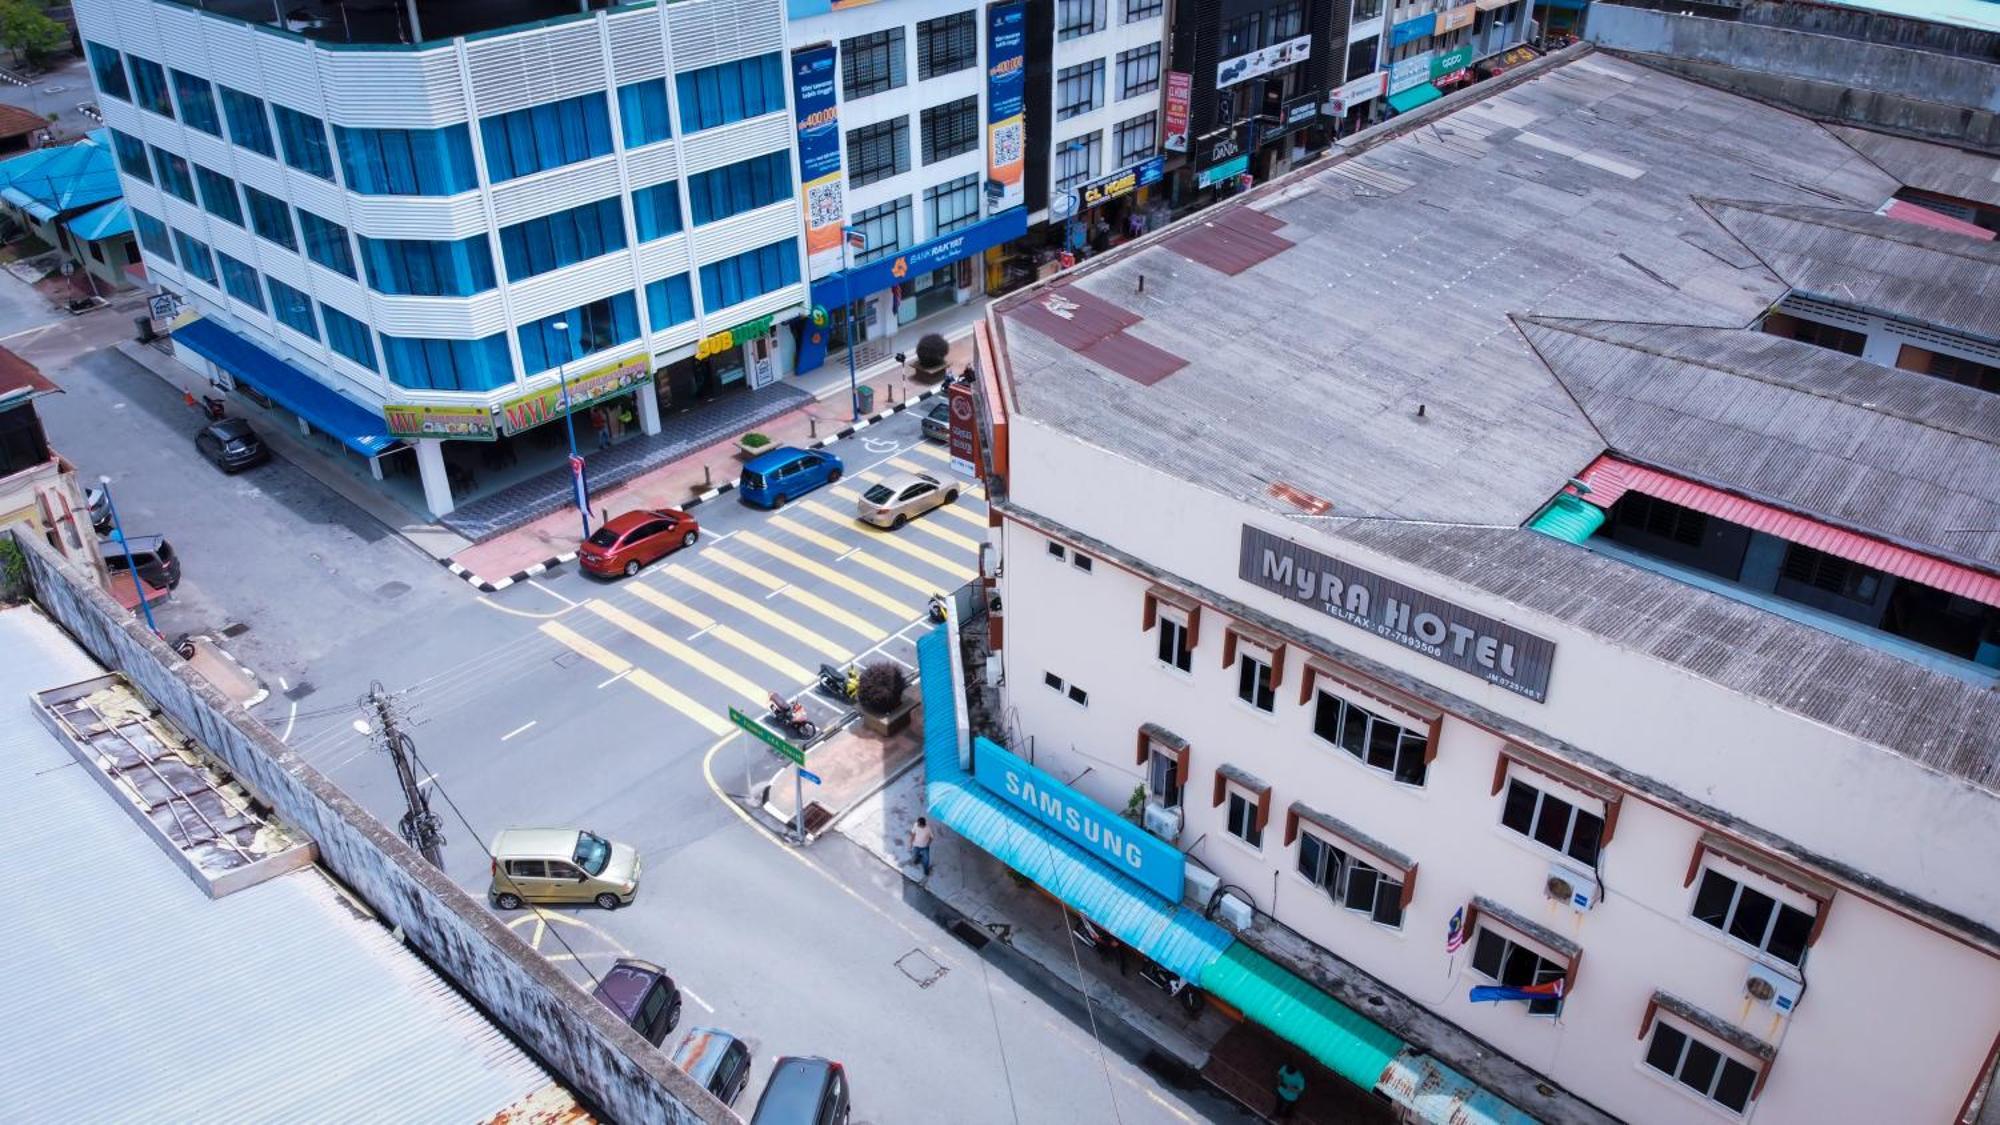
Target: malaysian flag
1454,933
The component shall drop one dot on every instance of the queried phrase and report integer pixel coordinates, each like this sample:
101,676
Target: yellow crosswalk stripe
889,539
853,586
894,573
808,534
963,543
959,511
769,616
931,449
844,491
744,688
638,677
784,666
805,598
908,465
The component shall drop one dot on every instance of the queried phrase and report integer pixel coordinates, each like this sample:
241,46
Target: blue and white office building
380,218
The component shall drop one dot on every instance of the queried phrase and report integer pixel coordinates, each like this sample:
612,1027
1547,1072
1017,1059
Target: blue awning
357,427
1404,101
107,220
833,289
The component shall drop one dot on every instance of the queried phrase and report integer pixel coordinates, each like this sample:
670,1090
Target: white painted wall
1118,36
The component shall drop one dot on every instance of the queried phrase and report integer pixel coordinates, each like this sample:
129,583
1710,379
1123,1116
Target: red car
636,538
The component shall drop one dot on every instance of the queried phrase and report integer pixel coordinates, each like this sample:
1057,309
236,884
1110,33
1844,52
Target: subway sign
1105,836
1450,634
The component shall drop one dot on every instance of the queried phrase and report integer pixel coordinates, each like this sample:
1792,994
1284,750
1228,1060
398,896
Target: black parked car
937,421
804,1091
232,445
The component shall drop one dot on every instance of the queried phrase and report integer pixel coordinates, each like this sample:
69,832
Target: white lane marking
551,593
719,538
282,685
776,592
705,1005
290,718
881,445
615,678
491,604
699,634
517,730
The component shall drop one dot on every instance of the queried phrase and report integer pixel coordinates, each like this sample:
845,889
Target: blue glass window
149,84
642,112
416,268
547,136
153,235
731,91
197,99
656,211
326,243
669,301
293,309
303,137
750,274
564,238
448,365
742,186
349,337
131,156
195,258
601,324
172,173
248,126
241,281
218,195
109,70
271,218
407,161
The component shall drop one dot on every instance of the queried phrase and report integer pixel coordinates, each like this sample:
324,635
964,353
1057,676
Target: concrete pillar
649,409
305,428
430,468
375,466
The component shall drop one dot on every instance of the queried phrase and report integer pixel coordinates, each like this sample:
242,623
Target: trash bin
864,400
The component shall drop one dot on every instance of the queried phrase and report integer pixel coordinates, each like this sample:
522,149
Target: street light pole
569,428
847,296
131,567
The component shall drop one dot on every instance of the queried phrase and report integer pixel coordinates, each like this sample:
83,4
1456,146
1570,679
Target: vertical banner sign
813,73
1180,100
1006,104
964,435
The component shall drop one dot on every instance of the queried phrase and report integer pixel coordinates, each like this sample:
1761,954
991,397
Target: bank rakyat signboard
1006,104
1450,634
922,258
813,73
1105,836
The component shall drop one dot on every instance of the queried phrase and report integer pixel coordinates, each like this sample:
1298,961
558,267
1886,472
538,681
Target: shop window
732,91
1506,960
642,112
1374,741
1143,9
872,63
878,151
448,365
1079,89
149,85
1755,916
249,126
1352,884
327,243
1077,18
952,205
173,175
1552,822
1139,70
421,268
589,328
735,188
1688,1058
565,238
303,139
241,282
1136,138
293,309
349,337
947,44
951,128
195,257
408,161
669,301
218,195
197,101
131,152
888,228
109,69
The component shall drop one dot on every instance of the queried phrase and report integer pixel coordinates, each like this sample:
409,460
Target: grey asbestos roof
1928,167
132,996
1907,457
1871,261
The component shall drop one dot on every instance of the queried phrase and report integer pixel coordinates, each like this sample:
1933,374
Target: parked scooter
841,684
1192,999
213,407
1092,936
792,718
938,608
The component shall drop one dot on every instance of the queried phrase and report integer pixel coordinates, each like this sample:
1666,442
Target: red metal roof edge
16,373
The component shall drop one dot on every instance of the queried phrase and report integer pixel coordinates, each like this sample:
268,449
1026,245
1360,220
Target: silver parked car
896,499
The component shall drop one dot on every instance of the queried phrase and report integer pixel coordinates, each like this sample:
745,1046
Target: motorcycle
1091,936
840,684
1192,999
792,718
213,407
937,607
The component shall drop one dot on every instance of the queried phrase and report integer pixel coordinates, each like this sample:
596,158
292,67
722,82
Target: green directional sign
757,730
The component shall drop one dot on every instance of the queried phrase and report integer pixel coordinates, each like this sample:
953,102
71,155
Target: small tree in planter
882,688
753,443
932,351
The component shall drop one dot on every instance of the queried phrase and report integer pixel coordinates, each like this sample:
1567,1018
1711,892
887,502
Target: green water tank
1570,518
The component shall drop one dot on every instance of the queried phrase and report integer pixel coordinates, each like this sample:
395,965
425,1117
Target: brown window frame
1612,796
1365,850
1768,867
1766,1059
1227,775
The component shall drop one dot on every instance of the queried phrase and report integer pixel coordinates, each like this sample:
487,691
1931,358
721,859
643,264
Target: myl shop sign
1450,634
1107,837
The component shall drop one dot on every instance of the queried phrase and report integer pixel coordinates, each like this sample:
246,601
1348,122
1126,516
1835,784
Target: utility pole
419,825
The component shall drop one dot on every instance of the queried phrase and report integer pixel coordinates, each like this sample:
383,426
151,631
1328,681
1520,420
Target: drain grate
299,691
968,933
234,629
919,967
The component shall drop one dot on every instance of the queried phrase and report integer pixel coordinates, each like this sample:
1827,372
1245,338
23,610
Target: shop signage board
923,257
964,436
1222,172
1297,112
1123,182
763,734
1105,836
813,74
1451,62
1413,71
1277,56
546,405
1221,146
730,337
1450,634
1412,29
460,423
1451,19
1006,104
1361,91
1180,108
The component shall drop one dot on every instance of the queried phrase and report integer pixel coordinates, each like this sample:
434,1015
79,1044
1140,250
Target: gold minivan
561,865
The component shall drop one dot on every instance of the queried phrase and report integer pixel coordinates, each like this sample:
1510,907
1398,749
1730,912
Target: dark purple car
644,995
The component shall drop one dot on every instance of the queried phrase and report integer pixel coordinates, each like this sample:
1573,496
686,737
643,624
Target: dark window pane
1353,730
1361,883
1698,1069
1520,967
1584,836
1788,937
1410,764
1246,678
1664,1054
1309,856
1487,951
1519,811
1552,827
1326,717
1734,1088
1382,738
1753,916
1711,902
1389,904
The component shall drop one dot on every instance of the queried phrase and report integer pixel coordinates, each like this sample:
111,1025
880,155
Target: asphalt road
570,701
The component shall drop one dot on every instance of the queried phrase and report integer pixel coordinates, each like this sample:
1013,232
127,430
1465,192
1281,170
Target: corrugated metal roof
132,996
1341,1039
1926,166
1232,241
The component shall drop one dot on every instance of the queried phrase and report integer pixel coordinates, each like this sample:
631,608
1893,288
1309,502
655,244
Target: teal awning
1340,1038
1569,518
1404,101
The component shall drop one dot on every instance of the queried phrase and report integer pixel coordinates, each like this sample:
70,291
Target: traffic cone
189,396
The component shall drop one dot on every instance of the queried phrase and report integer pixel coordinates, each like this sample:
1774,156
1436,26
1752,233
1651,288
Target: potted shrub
932,351
881,695
754,443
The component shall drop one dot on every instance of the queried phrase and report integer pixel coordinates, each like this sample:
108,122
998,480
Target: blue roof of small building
52,181
106,220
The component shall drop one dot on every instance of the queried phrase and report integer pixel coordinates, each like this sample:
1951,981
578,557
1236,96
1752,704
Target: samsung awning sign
1450,634
1104,835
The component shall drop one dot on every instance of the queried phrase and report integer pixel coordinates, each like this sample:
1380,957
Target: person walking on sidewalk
1291,1087
601,422
920,845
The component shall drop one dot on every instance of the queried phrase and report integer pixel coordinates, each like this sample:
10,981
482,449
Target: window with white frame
1174,649
1135,138
1143,9
887,227
1552,821
1504,959
1139,70
952,204
1077,18
1689,1058
1163,774
1079,89
1078,161
1081,561
1351,883
1374,741
1243,822
1254,684
1756,917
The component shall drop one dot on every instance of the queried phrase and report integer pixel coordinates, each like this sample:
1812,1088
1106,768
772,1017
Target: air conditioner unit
1571,887
1767,985
1234,912
1163,822
1201,885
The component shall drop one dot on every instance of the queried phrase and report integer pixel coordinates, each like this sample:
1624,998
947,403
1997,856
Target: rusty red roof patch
1231,242
1301,499
1137,360
1073,318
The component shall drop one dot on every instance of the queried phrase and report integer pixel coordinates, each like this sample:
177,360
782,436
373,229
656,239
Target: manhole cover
918,966
566,657
299,691
235,629
388,591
